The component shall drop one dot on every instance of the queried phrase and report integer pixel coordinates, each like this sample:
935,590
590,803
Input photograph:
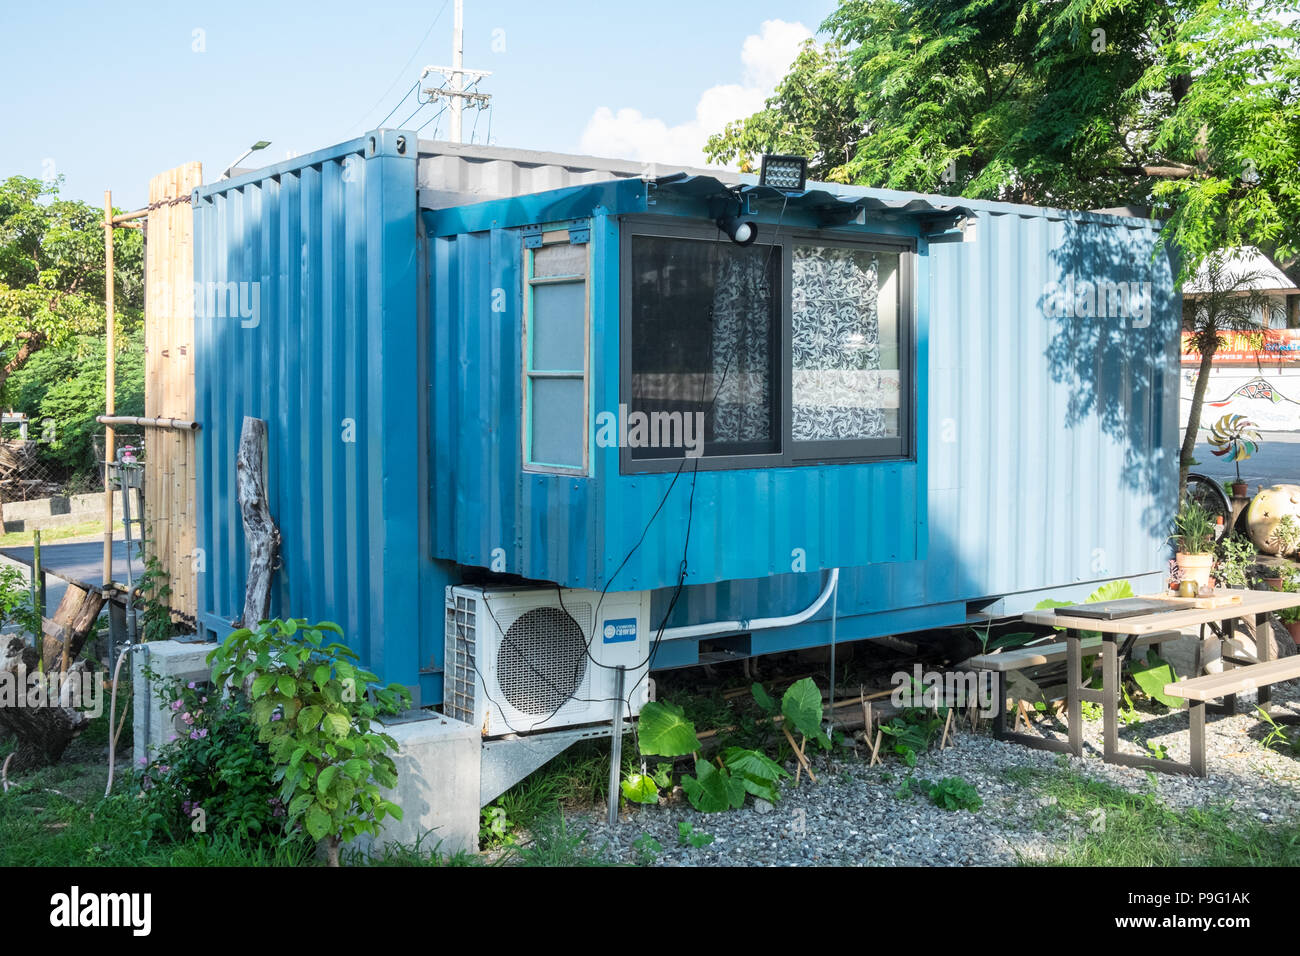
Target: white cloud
628,133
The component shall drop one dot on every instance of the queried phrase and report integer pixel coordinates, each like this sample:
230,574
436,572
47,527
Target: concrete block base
437,787
154,724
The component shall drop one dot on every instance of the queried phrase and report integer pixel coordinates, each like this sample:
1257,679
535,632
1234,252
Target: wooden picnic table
1256,605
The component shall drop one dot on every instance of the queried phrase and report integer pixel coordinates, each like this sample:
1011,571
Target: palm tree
1222,296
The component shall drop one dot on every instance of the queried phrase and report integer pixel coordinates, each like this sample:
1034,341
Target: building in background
1256,373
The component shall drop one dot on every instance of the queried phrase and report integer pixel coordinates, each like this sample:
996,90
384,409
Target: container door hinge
580,231
532,237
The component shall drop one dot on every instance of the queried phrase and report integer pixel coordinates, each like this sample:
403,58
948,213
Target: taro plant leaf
640,788
713,790
1152,675
802,706
665,731
1111,591
764,700
663,775
758,773
1018,639
751,763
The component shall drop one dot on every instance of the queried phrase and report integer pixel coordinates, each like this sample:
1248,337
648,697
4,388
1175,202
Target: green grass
1120,828
579,777
554,844
84,529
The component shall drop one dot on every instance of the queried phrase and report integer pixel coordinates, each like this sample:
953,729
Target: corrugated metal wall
581,532
1053,461
323,252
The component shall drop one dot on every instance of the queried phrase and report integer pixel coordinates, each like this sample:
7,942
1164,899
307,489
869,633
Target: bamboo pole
181,424
110,385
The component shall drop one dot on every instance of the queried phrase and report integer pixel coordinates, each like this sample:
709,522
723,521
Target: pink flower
187,719
171,738
176,705
198,734
276,716
191,685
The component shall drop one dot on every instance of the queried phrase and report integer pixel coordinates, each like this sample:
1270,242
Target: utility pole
454,77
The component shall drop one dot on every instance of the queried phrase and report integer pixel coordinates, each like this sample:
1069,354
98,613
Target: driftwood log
65,634
261,536
43,732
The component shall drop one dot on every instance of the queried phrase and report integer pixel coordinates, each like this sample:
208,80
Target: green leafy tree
1186,106
52,271
62,390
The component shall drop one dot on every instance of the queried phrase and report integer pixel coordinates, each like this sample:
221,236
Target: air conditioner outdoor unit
520,660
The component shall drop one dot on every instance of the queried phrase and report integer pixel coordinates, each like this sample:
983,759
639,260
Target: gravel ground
853,815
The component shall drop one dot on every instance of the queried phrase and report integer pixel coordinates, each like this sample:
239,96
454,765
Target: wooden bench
1054,653
1003,662
1198,690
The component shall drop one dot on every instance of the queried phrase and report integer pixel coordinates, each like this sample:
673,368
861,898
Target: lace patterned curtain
742,345
845,379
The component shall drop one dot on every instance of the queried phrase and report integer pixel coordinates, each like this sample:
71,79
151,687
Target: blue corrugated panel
325,246
1046,440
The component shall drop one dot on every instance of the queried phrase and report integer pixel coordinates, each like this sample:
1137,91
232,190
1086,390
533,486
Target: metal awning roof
828,206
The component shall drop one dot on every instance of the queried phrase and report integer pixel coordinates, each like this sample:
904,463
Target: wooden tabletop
1252,602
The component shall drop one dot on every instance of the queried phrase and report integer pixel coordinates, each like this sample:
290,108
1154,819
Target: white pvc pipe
112,713
758,624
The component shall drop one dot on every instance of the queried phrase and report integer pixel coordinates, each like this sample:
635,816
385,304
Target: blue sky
203,81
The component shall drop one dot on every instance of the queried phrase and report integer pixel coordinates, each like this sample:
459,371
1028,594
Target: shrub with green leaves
313,708
1234,558
214,776
912,730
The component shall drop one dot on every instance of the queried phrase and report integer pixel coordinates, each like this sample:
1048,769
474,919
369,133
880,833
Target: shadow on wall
1117,321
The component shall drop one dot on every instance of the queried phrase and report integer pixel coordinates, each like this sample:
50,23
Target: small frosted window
555,357
558,422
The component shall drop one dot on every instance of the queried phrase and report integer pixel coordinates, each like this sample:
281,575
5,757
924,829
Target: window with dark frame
791,353
706,321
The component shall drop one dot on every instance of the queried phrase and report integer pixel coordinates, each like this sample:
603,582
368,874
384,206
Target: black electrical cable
431,119
414,86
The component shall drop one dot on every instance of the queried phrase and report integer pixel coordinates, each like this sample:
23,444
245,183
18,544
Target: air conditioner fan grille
543,658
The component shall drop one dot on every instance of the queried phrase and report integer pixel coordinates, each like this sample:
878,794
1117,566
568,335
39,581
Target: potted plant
1193,540
1235,439
1234,561
1269,575
1290,616
1287,534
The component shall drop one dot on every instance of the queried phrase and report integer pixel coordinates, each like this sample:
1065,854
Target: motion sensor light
740,231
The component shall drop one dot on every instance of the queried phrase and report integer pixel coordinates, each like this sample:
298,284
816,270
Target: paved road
1276,462
75,560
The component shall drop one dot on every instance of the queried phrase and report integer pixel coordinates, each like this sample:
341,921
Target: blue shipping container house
883,413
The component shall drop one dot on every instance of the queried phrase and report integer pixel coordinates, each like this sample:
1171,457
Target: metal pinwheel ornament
1235,439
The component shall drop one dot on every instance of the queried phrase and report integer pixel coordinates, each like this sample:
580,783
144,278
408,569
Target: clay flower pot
1195,567
1240,489
1294,628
